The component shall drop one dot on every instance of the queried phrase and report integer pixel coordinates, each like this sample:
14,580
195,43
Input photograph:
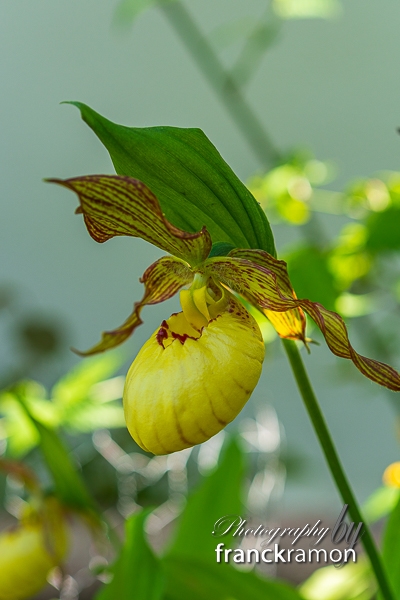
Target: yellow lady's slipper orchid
30,550
201,365
215,358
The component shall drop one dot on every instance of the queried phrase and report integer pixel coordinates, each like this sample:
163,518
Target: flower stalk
325,439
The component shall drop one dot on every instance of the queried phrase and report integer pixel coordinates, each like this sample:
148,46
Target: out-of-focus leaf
194,185
384,230
311,277
349,260
127,11
288,191
200,580
306,9
391,549
366,195
96,416
355,305
137,573
381,502
69,485
17,428
76,385
354,581
218,495
44,411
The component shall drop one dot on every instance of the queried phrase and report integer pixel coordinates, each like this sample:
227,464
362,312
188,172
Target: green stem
222,82
335,466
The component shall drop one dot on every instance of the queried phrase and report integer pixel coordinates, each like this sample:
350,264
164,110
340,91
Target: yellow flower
215,363
200,366
30,550
391,475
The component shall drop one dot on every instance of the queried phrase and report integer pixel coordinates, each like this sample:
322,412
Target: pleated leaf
192,182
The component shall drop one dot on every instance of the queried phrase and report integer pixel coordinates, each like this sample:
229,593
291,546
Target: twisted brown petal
113,205
261,287
290,324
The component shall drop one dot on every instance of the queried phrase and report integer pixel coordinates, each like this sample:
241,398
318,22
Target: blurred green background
328,85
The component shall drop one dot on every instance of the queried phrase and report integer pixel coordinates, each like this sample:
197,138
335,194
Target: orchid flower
200,366
31,549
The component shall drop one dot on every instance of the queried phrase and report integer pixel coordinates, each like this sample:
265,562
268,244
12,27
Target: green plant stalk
335,466
222,82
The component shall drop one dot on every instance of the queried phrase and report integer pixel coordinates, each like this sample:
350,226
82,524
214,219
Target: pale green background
333,86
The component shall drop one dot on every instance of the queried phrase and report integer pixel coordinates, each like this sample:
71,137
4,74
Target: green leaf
75,387
383,230
192,182
19,430
352,582
90,417
137,572
69,485
391,549
127,11
218,495
198,580
380,503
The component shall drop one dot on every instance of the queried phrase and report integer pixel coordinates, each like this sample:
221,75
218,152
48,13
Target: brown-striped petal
290,324
261,287
162,280
113,205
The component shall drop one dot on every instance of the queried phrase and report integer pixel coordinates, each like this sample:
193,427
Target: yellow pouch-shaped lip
185,385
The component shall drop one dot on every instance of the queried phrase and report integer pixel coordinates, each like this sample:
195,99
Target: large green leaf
192,182
391,549
196,580
219,495
137,573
